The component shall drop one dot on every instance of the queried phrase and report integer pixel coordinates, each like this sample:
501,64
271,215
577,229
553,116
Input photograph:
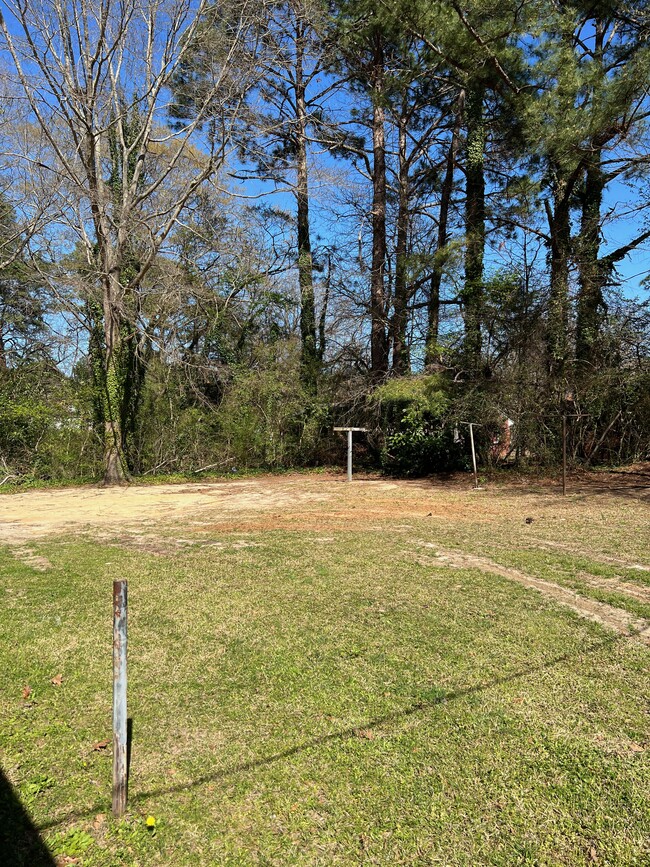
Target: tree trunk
115,467
134,368
401,360
590,296
433,308
117,381
322,319
310,359
472,294
558,312
96,358
378,336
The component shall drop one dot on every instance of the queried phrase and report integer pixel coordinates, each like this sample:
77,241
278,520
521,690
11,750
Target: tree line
225,226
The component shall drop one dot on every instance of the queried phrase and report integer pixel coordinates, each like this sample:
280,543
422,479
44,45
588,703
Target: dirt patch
361,516
37,514
284,503
607,615
31,558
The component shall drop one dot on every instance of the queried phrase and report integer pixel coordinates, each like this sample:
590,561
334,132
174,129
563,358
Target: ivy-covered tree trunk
115,465
95,316
378,335
135,356
117,378
472,293
401,360
310,355
590,292
433,306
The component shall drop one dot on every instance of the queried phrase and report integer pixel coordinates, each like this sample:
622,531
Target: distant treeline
227,227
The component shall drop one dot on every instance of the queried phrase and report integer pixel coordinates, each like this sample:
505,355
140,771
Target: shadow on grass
20,843
344,734
580,486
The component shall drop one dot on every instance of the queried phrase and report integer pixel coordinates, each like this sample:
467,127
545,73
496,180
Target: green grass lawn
323,700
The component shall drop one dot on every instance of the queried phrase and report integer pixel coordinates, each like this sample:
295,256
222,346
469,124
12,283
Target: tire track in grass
615,584
600,558
600,612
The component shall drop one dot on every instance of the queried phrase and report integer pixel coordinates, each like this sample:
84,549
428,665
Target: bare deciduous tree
96,75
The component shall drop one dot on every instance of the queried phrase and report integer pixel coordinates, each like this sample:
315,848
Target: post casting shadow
423,706
129,744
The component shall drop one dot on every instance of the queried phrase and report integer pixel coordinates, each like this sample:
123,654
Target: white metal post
471,437
349,431
349,455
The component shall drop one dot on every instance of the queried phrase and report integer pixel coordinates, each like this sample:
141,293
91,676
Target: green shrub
418,438
45,426
267,416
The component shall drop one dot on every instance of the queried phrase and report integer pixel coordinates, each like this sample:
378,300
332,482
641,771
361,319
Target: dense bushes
419,435
268,417
262,415
258,414
45,426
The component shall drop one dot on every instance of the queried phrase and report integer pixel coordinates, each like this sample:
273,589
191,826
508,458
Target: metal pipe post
471,437
119,697
349,456
564,455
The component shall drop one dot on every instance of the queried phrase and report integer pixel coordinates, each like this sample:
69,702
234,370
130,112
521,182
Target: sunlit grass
323,700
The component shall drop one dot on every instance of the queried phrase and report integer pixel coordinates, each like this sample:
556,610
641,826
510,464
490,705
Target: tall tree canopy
212,210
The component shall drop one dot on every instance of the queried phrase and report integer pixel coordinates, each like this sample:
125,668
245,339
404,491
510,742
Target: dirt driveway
36,514
287,502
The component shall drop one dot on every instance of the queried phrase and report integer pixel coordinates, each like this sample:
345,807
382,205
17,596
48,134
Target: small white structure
350,431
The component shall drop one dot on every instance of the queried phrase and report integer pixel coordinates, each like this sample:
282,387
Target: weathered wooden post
349,432
120,607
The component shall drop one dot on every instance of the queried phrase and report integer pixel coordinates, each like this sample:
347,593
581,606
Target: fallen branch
211,466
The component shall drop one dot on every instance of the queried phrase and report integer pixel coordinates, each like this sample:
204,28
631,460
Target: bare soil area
300,502
36,514
305,502
605,519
